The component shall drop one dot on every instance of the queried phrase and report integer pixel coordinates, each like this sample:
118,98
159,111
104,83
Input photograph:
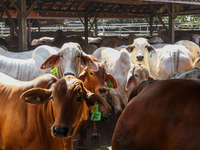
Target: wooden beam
171,24
93,22
16,7
31,8
86,27
179,9
132,2
158,15
189,2
151,18
9,16
81,5
22,24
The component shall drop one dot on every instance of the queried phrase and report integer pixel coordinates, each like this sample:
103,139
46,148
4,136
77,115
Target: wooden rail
139,29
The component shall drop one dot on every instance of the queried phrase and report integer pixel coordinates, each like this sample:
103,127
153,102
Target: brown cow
95,83
50,125
60,39
164,115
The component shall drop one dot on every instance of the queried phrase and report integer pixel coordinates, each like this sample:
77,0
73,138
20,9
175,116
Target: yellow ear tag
93,109
96,116
54,70
89,65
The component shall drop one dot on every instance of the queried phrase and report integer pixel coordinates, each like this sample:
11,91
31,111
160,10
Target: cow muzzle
140,58
61,132
69,73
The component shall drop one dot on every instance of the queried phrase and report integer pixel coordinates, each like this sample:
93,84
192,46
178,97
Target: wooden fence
139,29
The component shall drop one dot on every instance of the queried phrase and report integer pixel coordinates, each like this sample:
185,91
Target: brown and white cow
118,63
163,115
68,59
51,119
96,83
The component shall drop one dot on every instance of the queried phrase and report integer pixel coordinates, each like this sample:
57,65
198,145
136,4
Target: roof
102,8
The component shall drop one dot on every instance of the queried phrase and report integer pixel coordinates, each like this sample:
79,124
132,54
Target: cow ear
150,48
130,48
51,62
82,75
36,96
110,79
130,78
86,60
91,98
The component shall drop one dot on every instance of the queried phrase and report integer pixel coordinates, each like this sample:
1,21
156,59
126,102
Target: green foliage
179,19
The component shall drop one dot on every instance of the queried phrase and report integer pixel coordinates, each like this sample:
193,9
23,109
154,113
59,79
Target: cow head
139,50
69,98
95,81
136,75
69,59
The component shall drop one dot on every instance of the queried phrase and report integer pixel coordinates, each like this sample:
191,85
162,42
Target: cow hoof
94,137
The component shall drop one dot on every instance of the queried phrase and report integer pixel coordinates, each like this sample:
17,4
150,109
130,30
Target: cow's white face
70,55
139,51
69,59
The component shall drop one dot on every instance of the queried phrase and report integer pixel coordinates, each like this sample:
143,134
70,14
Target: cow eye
91,73
79,56
79,99
136,75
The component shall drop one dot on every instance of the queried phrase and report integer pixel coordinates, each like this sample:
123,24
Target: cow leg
82,135
95,132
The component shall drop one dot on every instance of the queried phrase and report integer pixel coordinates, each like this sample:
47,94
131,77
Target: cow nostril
102,90
69,73
60,132
140,58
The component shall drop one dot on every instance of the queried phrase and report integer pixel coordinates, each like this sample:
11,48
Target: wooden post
9,16
171,24
22,24
96,27
29,31
86,27
151,25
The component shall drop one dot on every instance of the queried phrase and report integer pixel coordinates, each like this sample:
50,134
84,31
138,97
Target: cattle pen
20,16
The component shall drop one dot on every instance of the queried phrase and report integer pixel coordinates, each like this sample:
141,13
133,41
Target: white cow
160,62
68,60
119,65
25,54
171,59
192,47
42,40
139,51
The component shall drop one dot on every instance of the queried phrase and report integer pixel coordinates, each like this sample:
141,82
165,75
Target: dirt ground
105,130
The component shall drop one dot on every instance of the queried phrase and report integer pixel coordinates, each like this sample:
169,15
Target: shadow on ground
105,127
